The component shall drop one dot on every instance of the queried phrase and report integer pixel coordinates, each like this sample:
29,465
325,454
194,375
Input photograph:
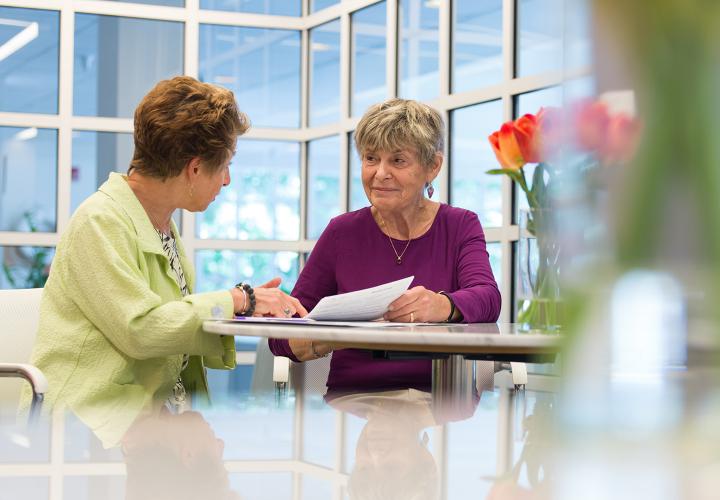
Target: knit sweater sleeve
317,280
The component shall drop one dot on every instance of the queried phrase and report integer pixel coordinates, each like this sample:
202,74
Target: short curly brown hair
181,119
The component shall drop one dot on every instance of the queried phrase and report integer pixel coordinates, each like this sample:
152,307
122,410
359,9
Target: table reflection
175,457
392,459
390,444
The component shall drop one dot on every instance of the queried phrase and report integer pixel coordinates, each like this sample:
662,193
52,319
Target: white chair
19,315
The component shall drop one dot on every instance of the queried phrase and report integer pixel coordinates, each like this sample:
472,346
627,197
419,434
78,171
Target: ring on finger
287,311
412,317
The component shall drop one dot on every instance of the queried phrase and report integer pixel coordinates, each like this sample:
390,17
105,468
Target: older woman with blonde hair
120,329
401,234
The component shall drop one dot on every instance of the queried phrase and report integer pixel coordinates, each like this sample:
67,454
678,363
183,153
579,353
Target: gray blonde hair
401,123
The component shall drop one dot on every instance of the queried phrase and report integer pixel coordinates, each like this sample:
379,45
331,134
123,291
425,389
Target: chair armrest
281,369
31,373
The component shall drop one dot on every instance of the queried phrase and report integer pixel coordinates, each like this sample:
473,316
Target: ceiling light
29,33
26,134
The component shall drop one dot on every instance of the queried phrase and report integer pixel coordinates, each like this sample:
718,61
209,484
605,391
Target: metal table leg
453,387
512,403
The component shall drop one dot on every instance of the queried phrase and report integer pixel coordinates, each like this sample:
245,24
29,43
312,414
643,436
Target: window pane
368,71
418,51
29,62
28,179
325,73
466,468
169,3
94,156
284,8
113,487
316,5
30,488
471,156
579,88
539,36
318,428
118,59
262,68
531,102
477,44
358,198
25,267
578,38
222,269
495,252
262,201
323,183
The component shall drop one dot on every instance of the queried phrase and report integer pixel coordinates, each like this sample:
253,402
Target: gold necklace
398,256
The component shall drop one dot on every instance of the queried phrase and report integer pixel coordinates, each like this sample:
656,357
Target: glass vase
539,298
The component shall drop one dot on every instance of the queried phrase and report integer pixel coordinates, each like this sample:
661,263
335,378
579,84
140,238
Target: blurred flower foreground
563,149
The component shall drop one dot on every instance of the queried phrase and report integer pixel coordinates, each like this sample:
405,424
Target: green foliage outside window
31,265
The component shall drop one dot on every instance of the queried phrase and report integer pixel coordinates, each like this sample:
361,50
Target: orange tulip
621,139
506,148
527,135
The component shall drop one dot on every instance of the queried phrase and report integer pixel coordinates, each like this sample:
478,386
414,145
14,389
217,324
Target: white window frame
191,15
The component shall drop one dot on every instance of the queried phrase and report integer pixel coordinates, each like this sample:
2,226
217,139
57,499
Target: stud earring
430,189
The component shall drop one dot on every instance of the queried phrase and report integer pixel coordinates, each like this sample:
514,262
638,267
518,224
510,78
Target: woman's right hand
270,301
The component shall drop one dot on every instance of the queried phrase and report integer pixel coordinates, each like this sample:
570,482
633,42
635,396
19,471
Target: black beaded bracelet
452,306
251,298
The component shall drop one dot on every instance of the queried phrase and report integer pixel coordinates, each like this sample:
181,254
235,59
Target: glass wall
262,68
94,156
471,154
477,44
323,183
28,179
357,197
29,48
304,71
25,266
118,59
262,201
368,57
283,8
222,269
418,52
325,74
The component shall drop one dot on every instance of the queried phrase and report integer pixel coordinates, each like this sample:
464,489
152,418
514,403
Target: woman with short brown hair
120,328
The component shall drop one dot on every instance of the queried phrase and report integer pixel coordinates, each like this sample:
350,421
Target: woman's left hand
419,305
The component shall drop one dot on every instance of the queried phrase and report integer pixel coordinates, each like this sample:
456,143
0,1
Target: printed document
362,305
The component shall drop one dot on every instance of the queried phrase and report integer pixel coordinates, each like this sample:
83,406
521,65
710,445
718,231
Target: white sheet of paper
361,305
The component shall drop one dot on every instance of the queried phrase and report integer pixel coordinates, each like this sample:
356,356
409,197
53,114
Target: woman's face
394,180
207,186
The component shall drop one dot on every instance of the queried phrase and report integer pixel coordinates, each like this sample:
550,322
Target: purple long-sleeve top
353,253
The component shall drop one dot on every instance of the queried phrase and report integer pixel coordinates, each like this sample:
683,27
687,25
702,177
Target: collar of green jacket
118,189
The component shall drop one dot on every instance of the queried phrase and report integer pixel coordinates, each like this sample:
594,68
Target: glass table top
273,445
635,438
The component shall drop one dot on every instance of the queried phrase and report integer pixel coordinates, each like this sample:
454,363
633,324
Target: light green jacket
114,325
